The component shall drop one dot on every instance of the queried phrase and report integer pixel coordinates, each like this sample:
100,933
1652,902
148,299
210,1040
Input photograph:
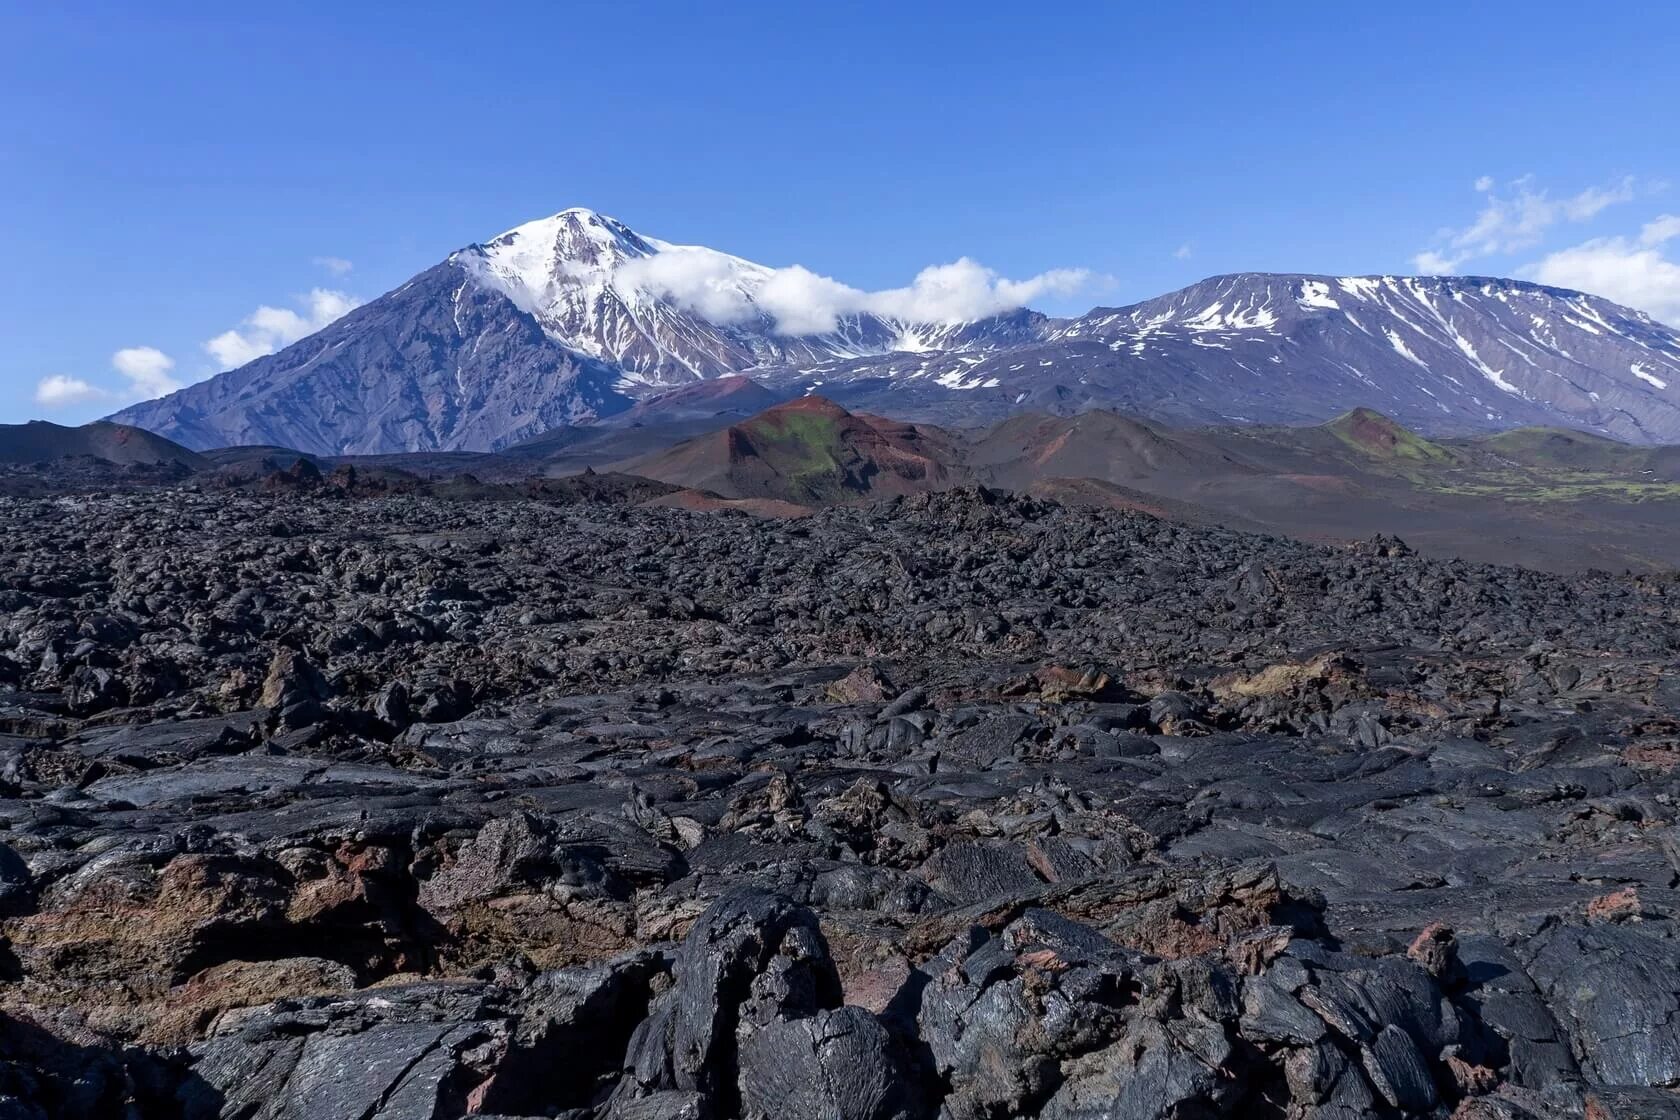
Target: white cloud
59,391
1517,219
231,349
801,302
708,282
1184,251
1665,227
966,289
1431,263
1434,264
338,266
147,369
267,328
1634,271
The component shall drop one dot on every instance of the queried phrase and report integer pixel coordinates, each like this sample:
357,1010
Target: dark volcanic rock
840,1064
751,962
961,806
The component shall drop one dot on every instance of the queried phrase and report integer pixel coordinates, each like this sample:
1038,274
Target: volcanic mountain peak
663,313
545,265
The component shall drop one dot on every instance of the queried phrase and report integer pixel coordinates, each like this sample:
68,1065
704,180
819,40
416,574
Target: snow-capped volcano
576,316
561,320
663,313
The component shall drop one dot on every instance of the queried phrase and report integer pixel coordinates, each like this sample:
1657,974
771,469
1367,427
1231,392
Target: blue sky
168,169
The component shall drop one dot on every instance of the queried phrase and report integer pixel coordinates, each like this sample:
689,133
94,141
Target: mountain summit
575,317
661,313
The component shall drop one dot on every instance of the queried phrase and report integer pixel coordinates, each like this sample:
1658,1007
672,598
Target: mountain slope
439,364
730,395
1503,349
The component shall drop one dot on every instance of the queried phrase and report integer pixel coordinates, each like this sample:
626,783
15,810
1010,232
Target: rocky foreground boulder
961,806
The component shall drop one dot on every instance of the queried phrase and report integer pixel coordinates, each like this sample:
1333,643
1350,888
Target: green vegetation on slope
1531,466
1559,447
1372,434
801,446
1537,485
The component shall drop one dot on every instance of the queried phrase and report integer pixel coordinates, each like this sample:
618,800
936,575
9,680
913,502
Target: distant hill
39,441
810,451
1561,448
1098,444
1375,435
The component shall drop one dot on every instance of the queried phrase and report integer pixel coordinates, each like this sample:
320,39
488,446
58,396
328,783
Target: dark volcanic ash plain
962,805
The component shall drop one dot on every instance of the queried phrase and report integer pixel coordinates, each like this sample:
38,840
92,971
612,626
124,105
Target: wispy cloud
802,302
1632,270
1184,252
267,329
337,266
1517,218
1431,263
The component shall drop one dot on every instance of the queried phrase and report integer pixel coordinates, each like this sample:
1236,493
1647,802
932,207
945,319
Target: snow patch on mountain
1645,375
1316,293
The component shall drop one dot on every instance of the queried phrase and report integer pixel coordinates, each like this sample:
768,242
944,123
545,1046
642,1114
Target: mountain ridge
1447,354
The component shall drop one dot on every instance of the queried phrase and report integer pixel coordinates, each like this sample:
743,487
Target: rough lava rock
329,805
